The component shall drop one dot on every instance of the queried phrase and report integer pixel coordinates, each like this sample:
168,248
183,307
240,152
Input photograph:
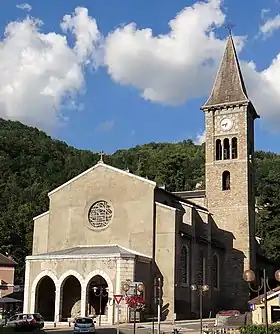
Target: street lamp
138,290
100,292
201,289
249,277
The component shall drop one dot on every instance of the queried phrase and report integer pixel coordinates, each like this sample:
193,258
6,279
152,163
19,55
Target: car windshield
84,321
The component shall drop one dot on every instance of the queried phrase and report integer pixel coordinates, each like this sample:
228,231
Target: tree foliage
32,164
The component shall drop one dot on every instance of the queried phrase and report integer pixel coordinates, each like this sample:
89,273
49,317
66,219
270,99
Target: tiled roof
4,260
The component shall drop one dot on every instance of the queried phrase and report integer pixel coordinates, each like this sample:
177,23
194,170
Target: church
106,227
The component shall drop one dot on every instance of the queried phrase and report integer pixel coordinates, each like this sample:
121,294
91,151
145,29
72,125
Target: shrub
259,329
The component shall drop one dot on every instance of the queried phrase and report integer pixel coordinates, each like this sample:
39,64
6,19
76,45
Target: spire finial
101,157
229,25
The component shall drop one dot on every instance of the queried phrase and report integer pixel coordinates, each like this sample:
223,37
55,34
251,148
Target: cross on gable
101,157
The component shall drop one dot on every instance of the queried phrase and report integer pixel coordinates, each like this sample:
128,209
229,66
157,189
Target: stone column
57,308
32,301
26,286
110,307
125,271
83,300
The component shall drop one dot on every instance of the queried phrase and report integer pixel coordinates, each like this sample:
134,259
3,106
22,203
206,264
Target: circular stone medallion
100,214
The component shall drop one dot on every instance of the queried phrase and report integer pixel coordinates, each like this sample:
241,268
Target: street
142,328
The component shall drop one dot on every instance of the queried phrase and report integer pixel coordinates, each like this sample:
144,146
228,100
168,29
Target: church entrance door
97,296
45,298
71,298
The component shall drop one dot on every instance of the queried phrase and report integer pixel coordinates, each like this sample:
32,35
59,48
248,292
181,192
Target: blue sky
111,114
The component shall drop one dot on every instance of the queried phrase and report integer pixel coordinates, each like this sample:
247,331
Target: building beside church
7,272
106,226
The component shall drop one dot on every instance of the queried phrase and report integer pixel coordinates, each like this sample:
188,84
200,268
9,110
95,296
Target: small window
218,149
234,148
226,180
201,269
215,272
184,265
226,149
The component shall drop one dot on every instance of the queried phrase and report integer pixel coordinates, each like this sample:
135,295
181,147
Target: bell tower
229,172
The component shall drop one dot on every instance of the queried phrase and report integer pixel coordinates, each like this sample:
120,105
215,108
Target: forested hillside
32,164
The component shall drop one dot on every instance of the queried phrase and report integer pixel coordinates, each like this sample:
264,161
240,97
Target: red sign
118,298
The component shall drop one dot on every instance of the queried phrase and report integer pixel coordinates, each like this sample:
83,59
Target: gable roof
270,294
101,164
183,200
4,260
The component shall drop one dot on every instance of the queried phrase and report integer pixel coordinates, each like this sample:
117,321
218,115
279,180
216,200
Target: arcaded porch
71,287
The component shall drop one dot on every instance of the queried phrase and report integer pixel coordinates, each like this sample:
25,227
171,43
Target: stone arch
110,295
68,273
70,303
101,273
44,277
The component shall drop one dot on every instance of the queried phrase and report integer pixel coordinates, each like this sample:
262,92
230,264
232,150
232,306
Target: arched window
201,270
215,272
218,149
226,180
184,265
234,148
226,149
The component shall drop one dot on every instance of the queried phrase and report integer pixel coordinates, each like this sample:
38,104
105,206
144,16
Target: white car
84,325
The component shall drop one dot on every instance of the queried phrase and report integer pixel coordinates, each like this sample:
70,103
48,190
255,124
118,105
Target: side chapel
106,226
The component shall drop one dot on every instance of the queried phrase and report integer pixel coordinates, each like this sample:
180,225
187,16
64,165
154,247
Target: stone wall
233,210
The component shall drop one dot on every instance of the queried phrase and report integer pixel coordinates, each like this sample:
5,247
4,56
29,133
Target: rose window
100,214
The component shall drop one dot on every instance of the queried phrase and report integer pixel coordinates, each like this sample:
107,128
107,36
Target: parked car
28,321
84,324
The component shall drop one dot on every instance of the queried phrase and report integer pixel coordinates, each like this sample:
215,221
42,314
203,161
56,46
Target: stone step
104,320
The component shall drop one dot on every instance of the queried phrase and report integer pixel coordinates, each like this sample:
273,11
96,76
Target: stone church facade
107,226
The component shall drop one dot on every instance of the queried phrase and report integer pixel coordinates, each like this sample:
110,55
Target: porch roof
89,252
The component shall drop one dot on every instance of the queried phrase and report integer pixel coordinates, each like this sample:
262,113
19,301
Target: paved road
70,331
146,329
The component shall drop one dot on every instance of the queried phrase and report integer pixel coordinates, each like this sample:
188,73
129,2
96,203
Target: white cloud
41,73
270,25
173,67
180,65
24,6
200,138
105,126
88,37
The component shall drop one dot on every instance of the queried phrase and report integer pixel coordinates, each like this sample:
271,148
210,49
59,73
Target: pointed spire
229,85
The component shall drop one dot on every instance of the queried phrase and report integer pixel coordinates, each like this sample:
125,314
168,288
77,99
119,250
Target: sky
113,74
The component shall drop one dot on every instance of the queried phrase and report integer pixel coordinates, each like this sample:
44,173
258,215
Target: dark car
26,321
84,324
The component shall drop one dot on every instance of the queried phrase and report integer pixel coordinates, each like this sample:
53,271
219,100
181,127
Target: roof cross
230,26
101,157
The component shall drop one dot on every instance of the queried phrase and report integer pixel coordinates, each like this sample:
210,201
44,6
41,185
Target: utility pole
159,284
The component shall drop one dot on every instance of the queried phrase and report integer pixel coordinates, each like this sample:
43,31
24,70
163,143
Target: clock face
226,124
